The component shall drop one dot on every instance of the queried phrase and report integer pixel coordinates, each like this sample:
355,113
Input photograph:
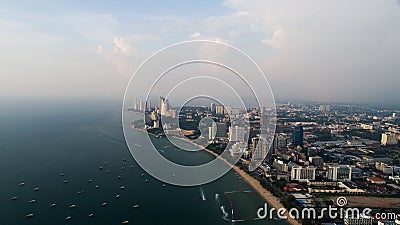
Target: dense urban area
318,152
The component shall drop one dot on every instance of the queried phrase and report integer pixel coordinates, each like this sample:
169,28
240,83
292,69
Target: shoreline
272,200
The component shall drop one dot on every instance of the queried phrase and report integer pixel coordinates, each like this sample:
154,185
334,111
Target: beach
272,200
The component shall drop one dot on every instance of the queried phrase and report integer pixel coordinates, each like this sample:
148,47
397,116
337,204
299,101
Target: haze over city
330,51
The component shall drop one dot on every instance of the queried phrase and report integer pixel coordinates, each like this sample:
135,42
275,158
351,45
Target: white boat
96,187
68,218
80,192
53,205
117,196
107,171
65,181
122,187
29,215
61,174
119,177
14,198
21,184
90,180
91,215
104,204
36,189
72,206
122,168
202,194
125,222
32,201
136,206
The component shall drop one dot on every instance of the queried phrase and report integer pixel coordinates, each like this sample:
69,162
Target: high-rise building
389,138
237,133
297,136
254,142
212,107
339,172
160,99
219,129
140,105
280,166
219,109
164,107
324,108
261,150
135,105
302,174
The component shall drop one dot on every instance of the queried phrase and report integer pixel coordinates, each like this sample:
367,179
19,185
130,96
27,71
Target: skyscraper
220,109
212,107
297,136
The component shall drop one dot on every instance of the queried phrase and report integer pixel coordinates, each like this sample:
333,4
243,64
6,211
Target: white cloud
195,35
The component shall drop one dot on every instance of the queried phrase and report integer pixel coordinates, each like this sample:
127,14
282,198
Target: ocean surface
59,147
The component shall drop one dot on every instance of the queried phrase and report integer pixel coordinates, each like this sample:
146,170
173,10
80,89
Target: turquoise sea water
39,141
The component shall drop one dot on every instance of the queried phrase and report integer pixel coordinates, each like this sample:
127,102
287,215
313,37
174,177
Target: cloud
123,55
195,35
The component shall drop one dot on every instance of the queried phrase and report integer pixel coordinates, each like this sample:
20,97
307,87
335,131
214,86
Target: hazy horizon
335,51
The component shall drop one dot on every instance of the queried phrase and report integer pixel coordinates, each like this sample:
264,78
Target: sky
312,50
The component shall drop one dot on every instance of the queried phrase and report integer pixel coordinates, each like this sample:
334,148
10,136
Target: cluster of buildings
316,149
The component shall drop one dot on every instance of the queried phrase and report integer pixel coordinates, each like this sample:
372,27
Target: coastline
272,200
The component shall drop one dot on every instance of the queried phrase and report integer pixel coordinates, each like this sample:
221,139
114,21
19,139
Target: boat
136,206
14,198
96,187
122,187
202,195
32,201
72,206
131,166
91,215
146,180
125,222
21,184
68,218
104,204
30,215
90,180
117,196
65,181
164,185
100,167
119,177
61,174
142,174
80,192
122,168
124,159
105,163
53,205
36,189
107,171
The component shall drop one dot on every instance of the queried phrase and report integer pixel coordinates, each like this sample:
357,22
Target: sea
74,152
